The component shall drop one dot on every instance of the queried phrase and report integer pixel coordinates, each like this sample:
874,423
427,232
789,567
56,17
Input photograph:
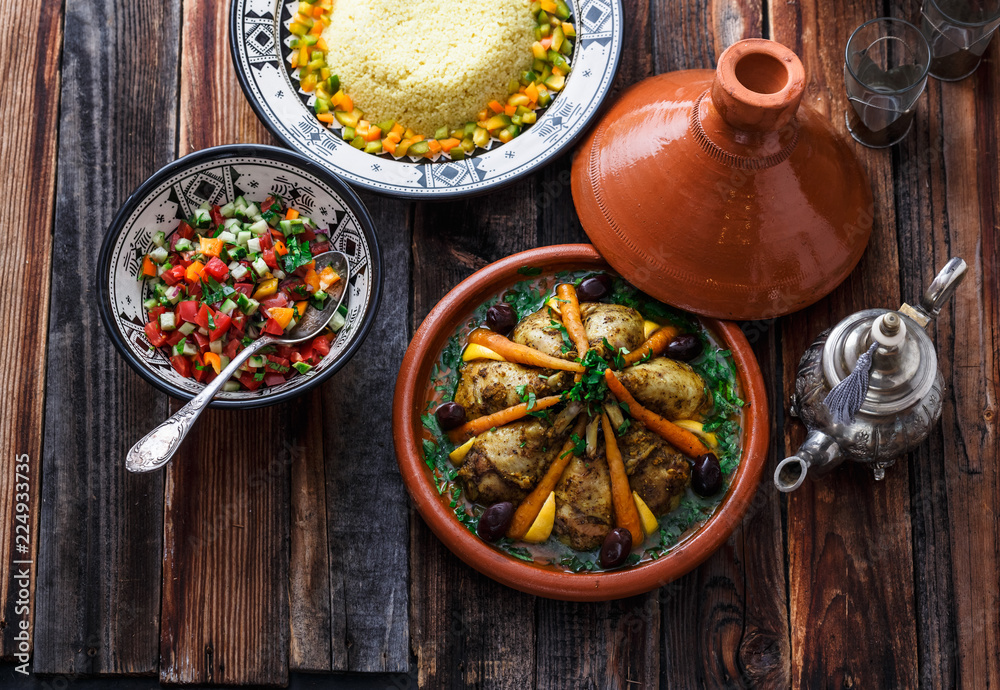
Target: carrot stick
572,319
522,354
511,414
682,439
626,514
654,345
526,513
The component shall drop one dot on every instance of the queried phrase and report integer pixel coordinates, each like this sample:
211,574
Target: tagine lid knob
721,192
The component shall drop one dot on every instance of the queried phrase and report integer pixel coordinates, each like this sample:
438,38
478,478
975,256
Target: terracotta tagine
718,193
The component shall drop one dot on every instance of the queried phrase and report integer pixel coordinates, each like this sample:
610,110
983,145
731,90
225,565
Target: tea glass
958,32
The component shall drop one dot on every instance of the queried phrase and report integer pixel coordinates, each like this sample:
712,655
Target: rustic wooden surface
251,559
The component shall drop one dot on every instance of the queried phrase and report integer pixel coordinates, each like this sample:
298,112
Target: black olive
706,475
616,548
594,288
501,318
684,347
450,415
495,521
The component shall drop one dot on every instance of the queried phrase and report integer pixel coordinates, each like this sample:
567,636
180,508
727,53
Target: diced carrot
448,144
389,145
214,360
546,42
418,137
193,272
394,137
317,29
295,59
510,110
317,12
148,267
328,118
321,45
291,214
373,134
277,234
548,5
434,145
282,315
300,307
346,103
210,246
531,91
312,280
496,107
280,249
398,130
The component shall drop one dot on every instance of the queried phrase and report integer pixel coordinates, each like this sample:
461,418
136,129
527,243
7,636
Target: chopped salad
230,274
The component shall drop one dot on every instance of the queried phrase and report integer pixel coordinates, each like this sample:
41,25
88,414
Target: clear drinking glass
885,71
958,32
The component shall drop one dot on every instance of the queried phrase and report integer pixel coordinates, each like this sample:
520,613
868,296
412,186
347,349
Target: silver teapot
869,389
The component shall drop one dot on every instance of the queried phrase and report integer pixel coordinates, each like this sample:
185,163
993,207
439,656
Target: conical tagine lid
718,193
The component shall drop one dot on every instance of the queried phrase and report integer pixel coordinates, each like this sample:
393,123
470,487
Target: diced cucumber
278,273
257,361
173,294
236,252
252,210
238,272
216,346
231,386
320,296
227,237
203,331
187,328
247,305
159,238
260,267
227,307
337,322
259,228
240,202
243,236
150,303
285,226
178,349
190,348
183,245
167,322
158,255
253,246
302,367
228,210
202,218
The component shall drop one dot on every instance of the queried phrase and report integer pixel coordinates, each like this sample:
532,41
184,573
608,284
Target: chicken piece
487,386
536,330
670,388
656,470
506,462
622,326
583,503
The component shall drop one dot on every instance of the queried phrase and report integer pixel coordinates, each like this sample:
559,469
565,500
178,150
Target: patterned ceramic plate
259,39
218,175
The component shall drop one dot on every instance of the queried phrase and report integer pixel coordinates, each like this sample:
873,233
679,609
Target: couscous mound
428,63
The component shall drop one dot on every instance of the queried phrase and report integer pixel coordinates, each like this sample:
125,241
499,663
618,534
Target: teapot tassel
846,398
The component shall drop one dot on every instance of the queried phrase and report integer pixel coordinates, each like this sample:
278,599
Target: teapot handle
938,293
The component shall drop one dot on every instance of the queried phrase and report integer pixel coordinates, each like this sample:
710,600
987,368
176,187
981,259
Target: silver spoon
156,448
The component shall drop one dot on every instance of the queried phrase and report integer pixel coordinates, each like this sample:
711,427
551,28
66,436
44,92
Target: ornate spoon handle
156,448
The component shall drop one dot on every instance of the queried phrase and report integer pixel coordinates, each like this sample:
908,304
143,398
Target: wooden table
271,547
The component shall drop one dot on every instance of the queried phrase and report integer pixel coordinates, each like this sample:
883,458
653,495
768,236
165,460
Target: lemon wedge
553,304
649,522
649,328
458,455
473,351
698,429
541,528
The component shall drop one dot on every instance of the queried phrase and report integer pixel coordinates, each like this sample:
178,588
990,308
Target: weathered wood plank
28,147
458,640
848,535
366,501
954,476
99,566
225,613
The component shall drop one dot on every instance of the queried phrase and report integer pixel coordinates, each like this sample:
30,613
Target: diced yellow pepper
282,315
266,288
210,246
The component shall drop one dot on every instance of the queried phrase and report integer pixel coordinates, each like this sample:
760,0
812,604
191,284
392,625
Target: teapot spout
819,453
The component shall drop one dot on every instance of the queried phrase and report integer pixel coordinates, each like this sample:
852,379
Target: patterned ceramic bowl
218,175
260,43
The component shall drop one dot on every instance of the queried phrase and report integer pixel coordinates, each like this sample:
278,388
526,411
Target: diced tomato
174,275
272,327
201,340
274,379
232,348
269,258
198,368
239,324
307,234
194,290
155,335
155,312
321,345
217,269
276,363
319,248
297,357
278,300
222,323
285,351
187,310
245,288
182,365
185,230
265,241
202,317
175,338
216,215
248,380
